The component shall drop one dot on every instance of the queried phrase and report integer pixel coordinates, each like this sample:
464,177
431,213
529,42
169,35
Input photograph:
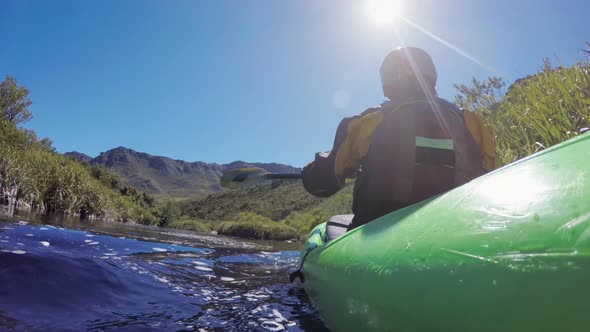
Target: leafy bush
340,203
191,225
251,225
274,200
536,112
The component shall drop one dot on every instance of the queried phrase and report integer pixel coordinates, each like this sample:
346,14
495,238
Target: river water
59,274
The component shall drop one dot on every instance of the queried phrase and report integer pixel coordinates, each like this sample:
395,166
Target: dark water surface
64,275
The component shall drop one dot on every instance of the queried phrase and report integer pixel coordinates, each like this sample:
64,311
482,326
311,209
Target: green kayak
509,251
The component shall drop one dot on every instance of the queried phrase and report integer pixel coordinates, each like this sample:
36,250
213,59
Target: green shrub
191,225
49,181
340,203
251,225
536,112
275,201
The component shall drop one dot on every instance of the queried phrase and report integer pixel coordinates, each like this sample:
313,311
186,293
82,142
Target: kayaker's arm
328,172
485,139
319,176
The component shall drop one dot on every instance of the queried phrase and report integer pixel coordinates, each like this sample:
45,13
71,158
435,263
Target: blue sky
266,81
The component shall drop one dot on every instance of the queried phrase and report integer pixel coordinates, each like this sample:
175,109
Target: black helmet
407,62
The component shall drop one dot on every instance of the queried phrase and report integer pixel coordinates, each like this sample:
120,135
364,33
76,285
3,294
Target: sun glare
384,11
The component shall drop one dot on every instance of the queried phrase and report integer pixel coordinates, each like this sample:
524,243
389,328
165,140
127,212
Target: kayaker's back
420,149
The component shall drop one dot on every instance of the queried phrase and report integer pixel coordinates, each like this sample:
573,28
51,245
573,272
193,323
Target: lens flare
384,11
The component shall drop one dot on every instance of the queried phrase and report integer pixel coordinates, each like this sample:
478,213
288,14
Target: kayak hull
507,251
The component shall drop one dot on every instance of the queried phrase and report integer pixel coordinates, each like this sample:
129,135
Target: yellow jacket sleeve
356,144
484,138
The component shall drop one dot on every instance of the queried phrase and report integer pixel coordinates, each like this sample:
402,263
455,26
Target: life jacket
418,150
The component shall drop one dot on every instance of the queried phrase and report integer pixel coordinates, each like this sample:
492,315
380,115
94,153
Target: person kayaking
413,146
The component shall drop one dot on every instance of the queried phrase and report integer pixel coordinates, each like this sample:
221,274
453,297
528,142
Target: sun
384,11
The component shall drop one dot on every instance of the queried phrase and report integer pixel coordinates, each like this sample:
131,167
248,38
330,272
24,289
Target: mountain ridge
164,176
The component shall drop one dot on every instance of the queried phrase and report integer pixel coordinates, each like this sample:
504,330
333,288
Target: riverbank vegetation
247,212
535,112
33,175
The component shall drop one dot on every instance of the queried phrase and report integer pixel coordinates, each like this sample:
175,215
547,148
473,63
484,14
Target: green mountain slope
274,200
160,175
278,210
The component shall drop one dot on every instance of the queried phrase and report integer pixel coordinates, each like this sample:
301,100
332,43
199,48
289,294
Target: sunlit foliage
535,112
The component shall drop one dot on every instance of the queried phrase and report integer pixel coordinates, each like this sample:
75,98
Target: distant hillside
275,201
78,156
269,167
164,176
279,210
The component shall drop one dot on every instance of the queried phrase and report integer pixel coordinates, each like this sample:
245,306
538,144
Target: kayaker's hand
319,178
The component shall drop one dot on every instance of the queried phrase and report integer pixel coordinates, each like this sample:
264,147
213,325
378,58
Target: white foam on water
203,268
29,235
19,252
226,279
20,244
127,249
271,325
44,228
45,243
259,309
256,296
87,241
22,222
280,317
92,243
110,254
200,263
235,297
89,235
4,241
159,249
162,279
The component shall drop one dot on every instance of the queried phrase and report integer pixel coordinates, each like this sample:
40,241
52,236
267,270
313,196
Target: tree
168,211
481,96
14,102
